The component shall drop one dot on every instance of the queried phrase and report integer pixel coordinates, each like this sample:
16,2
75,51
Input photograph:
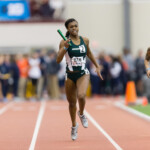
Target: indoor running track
46,125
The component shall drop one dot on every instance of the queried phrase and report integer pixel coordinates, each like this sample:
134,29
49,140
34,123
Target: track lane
2,104
54,133
5,107
17,126
129,131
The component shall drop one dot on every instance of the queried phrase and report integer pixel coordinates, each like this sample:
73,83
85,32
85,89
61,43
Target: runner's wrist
65,48
147,69
99,67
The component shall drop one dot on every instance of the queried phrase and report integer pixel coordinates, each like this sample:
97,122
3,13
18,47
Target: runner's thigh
71,90
82,85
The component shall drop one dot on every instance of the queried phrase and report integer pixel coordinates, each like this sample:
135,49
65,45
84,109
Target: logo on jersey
81,48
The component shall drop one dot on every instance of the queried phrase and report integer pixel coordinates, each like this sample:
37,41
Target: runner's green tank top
76,56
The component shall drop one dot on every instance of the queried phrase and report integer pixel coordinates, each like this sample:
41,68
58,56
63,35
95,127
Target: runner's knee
81,96
72,104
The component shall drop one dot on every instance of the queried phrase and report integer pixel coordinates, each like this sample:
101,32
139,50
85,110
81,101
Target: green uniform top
76,56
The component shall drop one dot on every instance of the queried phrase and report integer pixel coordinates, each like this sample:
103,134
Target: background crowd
47,9
37,75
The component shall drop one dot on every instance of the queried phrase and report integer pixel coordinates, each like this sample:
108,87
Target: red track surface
18,122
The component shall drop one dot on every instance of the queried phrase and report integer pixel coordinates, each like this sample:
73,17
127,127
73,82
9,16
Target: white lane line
6,107
132,111
102,131
38,123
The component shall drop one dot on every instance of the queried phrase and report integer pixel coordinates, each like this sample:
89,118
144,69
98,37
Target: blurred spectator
58,6
34,8
61,78
52,71
130,72
47,76
5,75
146,86
34,73
123,77
95,80
106,74
115,70
46,10
1,94
41,84
23,65
7,62
140,71
104,84
14,72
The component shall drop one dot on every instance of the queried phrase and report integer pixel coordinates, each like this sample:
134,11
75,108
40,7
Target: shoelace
84,118
73,131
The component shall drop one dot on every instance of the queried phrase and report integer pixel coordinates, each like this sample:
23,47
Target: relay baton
65,39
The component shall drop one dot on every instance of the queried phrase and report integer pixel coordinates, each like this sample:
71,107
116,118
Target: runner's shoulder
86,40
61,43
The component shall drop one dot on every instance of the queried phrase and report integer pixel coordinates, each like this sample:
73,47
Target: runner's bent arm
146,62
62,50
91,57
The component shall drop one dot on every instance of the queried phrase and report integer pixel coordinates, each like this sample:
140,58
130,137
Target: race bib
77,61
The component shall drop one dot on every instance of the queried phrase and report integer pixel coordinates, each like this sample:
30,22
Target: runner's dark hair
66,25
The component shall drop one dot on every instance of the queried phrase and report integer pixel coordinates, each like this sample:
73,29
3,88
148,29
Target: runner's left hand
98,71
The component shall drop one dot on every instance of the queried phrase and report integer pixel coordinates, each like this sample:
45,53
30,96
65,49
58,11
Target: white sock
81,115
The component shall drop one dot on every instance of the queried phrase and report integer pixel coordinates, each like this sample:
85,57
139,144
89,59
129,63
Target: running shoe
74,132
83,119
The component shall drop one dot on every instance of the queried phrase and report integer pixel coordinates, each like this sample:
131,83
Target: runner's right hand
148,73
66,43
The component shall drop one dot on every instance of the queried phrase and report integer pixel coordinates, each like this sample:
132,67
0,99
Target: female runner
77,75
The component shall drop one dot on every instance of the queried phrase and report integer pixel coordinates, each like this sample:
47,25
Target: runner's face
73,28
